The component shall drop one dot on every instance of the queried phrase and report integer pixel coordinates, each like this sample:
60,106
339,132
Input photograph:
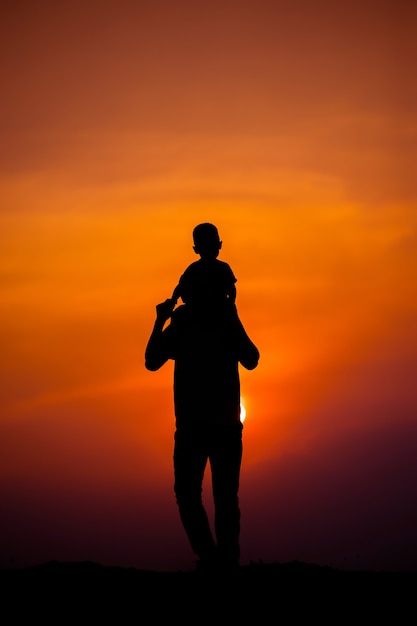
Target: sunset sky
292,126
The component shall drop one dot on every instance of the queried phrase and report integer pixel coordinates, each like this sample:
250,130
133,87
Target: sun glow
242,411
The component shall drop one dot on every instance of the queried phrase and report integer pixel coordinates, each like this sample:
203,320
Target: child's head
206,241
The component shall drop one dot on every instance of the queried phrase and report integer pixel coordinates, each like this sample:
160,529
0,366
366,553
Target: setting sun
242,410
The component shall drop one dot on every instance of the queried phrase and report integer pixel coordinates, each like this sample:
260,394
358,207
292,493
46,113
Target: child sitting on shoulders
208,281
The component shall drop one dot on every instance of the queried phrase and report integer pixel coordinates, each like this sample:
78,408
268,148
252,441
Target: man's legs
190,459
225,461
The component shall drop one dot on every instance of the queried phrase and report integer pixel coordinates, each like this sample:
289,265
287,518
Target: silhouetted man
207,347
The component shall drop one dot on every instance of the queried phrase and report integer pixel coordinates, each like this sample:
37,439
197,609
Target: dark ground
265,593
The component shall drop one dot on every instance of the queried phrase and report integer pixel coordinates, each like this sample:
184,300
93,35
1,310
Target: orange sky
292,128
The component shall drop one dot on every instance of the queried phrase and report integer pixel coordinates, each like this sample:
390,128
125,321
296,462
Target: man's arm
248,353
157,352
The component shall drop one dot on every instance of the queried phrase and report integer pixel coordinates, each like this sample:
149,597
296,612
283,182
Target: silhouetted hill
262,592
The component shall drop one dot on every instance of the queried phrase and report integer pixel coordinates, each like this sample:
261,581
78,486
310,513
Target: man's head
206,241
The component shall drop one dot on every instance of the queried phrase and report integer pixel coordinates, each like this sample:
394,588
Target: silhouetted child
207,282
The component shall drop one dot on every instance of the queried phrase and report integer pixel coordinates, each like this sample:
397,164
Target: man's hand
164,310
